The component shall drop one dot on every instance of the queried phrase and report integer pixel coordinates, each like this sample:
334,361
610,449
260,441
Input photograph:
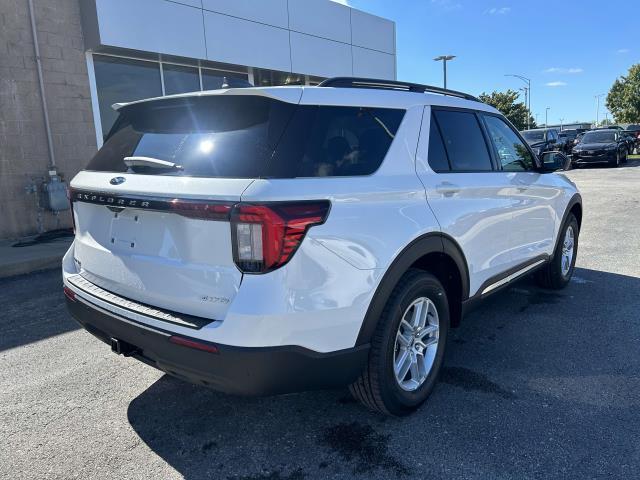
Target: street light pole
561,122
598,106
546,117
528,105
526,96
444,59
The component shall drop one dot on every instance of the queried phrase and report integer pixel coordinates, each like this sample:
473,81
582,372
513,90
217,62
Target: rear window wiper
150,162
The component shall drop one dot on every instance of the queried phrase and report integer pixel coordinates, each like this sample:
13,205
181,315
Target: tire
377,387
552,275
616,163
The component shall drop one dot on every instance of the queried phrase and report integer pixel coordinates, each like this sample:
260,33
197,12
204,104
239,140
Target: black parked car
634,131
579,138
542,140
601,146
628,139
568,138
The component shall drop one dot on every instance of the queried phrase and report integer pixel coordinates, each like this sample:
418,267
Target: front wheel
558,272
616,163
407,348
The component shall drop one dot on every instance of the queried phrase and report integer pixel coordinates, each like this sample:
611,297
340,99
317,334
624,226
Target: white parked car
271,240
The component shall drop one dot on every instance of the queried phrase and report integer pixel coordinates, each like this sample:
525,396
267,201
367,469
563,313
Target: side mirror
554,161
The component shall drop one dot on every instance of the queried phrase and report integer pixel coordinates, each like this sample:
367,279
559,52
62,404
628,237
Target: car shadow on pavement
31,310
535,383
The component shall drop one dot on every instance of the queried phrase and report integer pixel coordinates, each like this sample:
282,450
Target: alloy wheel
567,251
416,344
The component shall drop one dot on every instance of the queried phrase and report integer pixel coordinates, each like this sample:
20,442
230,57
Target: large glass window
268,78
512,152
123,80
463,141
244,136
180,79
214,79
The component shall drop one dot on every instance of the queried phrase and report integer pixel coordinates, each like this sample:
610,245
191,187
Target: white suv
271,240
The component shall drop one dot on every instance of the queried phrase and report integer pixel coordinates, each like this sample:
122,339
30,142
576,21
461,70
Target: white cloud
623,50
563,70
556,84
498,11
447,5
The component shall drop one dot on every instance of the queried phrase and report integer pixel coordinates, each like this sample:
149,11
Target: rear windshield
248,136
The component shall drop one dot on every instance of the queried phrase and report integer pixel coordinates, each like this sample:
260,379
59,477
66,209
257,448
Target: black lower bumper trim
235,370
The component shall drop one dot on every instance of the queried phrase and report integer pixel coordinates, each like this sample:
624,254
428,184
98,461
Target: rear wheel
558,272
407,348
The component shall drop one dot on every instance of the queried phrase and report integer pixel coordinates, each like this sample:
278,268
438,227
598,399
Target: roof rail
358,82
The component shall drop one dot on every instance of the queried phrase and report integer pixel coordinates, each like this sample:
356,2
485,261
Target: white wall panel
317,56
313,37
271,12
321,18
232,40
373,64
372,32
150,25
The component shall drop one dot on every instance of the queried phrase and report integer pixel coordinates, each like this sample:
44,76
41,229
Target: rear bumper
235,370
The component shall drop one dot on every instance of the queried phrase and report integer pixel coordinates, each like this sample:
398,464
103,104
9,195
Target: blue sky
572,50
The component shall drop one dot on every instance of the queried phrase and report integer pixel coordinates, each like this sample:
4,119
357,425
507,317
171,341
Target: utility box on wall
55,194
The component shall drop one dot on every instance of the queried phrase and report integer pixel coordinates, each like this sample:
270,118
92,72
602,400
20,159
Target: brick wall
23,143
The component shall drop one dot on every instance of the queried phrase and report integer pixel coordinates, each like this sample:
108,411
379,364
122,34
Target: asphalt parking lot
536,384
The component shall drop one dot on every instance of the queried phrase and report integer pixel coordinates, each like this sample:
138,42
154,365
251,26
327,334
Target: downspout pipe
45,111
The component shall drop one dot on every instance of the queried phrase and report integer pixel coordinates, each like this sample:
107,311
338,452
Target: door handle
447,188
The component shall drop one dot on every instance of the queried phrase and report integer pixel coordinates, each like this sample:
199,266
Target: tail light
201,210
265,236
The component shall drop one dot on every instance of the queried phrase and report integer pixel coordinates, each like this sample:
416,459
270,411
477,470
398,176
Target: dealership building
55,100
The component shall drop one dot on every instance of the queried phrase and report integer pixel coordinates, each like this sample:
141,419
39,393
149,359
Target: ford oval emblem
117,180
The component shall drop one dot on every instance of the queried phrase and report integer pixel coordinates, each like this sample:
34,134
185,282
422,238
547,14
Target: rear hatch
159,233
154,208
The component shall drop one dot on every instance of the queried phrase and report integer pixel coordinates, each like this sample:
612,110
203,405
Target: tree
507,103
623,100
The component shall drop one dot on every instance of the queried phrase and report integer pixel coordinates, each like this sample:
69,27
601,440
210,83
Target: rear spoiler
284,94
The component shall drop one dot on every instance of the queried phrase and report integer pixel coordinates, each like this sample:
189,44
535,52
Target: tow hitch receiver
123,348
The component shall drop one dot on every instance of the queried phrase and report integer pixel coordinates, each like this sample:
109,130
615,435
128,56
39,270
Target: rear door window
248,136
464,141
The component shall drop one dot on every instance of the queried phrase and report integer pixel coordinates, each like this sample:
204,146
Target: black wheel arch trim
576,199
434,242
